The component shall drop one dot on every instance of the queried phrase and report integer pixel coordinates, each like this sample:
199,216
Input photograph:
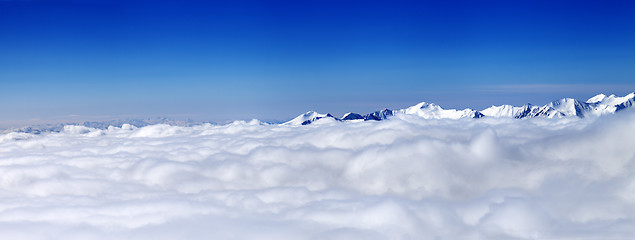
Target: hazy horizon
225,119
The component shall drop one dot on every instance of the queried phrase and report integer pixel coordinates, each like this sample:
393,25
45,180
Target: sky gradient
273,60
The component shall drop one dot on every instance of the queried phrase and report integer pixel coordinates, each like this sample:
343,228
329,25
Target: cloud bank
405,178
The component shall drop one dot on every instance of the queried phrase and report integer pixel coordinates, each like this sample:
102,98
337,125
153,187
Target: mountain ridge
597,105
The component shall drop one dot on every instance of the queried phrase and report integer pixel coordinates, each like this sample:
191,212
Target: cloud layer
406,178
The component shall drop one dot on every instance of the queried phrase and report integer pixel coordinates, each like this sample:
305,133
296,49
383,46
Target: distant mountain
601,104
511,111
58,127
433,111
352,116
566,107
308,118
379,115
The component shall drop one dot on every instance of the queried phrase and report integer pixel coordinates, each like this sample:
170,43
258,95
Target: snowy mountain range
566,107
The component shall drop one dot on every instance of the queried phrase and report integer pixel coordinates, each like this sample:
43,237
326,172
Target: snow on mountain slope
510,111
566,107
601,104
556,109
433,111
547,112
352,116
501,111
379,115
627,104
610,100
597,98
311,117
308,118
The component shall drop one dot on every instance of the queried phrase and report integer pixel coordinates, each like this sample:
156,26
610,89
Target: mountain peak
425,105
379,115
352,116
596,98
433,111
568,107
308,118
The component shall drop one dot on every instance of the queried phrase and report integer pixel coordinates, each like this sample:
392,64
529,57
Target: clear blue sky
275,59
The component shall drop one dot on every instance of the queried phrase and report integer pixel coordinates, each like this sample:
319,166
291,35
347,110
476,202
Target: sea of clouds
405,178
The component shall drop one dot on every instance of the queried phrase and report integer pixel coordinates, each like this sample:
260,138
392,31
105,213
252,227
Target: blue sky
275,59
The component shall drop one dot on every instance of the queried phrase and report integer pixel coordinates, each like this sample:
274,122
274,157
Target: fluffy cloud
406,178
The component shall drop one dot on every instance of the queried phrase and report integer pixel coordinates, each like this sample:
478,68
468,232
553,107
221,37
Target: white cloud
406,178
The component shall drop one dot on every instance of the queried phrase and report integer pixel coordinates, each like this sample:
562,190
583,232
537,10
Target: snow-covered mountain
379,115
308,118
566,107
433,111
511,111
312,116
601,104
